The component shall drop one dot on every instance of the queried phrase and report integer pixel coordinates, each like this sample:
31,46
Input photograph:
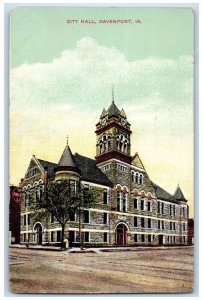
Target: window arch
136,177
105,143
133,176
141,178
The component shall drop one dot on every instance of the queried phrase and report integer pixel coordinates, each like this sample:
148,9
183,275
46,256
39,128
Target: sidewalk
97,250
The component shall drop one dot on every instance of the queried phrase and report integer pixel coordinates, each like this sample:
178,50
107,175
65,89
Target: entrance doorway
121,235
38,229
161,240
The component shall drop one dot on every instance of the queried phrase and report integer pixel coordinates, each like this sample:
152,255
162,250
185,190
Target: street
138,271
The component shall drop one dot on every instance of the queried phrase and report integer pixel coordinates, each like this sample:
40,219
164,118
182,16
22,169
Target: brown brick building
132,209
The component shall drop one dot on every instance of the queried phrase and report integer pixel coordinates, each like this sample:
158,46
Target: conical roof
67,159
179,194
113,110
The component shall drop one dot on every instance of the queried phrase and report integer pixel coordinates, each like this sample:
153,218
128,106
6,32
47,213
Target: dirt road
159,271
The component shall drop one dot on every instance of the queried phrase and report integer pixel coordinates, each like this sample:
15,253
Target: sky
61,76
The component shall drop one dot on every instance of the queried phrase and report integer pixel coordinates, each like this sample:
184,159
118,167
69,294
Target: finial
112,93
67,140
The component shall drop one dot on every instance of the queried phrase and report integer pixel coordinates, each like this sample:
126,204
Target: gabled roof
90,171
113,110
49,166
162,194
179,194
136,161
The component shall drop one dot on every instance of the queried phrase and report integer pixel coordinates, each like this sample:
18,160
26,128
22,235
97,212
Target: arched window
141,179
100,146
136,177
28,196
133,176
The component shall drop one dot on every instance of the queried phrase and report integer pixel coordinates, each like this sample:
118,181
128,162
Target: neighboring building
191,231
133,210
14,214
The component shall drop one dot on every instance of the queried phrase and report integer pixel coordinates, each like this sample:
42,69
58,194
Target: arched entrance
121,234
38,233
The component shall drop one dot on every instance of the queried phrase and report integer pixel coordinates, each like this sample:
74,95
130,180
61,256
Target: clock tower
113,136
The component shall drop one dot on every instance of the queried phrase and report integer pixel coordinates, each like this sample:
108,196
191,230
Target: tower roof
179,194
67,162
113,110
67,159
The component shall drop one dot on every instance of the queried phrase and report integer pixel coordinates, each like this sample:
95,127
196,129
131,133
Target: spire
179,194
113,109
113,94
67,139
104,113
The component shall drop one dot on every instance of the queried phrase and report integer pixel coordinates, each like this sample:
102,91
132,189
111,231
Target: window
149,238
73,186
132,175
52,218
118,201
36,194
105,218
52,236
24,220
136,177
162,210
121,167
141,179
135,238
174,226
170,225
135,203
163,225
149,206
159,224
142,204
142,222
41,193
135,221
24,237
105,197
125,202
87,236
86,216
58,236
174,210
142,238
72,216
105,237
183,226
158,208
149,223
28,219
106,167
170,209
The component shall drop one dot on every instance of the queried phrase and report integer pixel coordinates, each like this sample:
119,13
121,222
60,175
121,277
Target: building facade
131,209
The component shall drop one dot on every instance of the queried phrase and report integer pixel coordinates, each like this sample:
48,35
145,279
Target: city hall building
131,209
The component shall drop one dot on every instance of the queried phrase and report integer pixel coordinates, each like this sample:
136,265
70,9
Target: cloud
87,72
50,100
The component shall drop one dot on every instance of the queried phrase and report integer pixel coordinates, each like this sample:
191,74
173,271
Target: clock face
123,121
103,121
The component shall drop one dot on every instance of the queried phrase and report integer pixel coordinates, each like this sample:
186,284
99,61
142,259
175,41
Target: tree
62,199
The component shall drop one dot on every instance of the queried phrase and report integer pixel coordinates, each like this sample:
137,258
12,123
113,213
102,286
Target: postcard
101,150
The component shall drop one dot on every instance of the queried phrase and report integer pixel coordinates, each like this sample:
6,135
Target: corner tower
67,167
113,136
